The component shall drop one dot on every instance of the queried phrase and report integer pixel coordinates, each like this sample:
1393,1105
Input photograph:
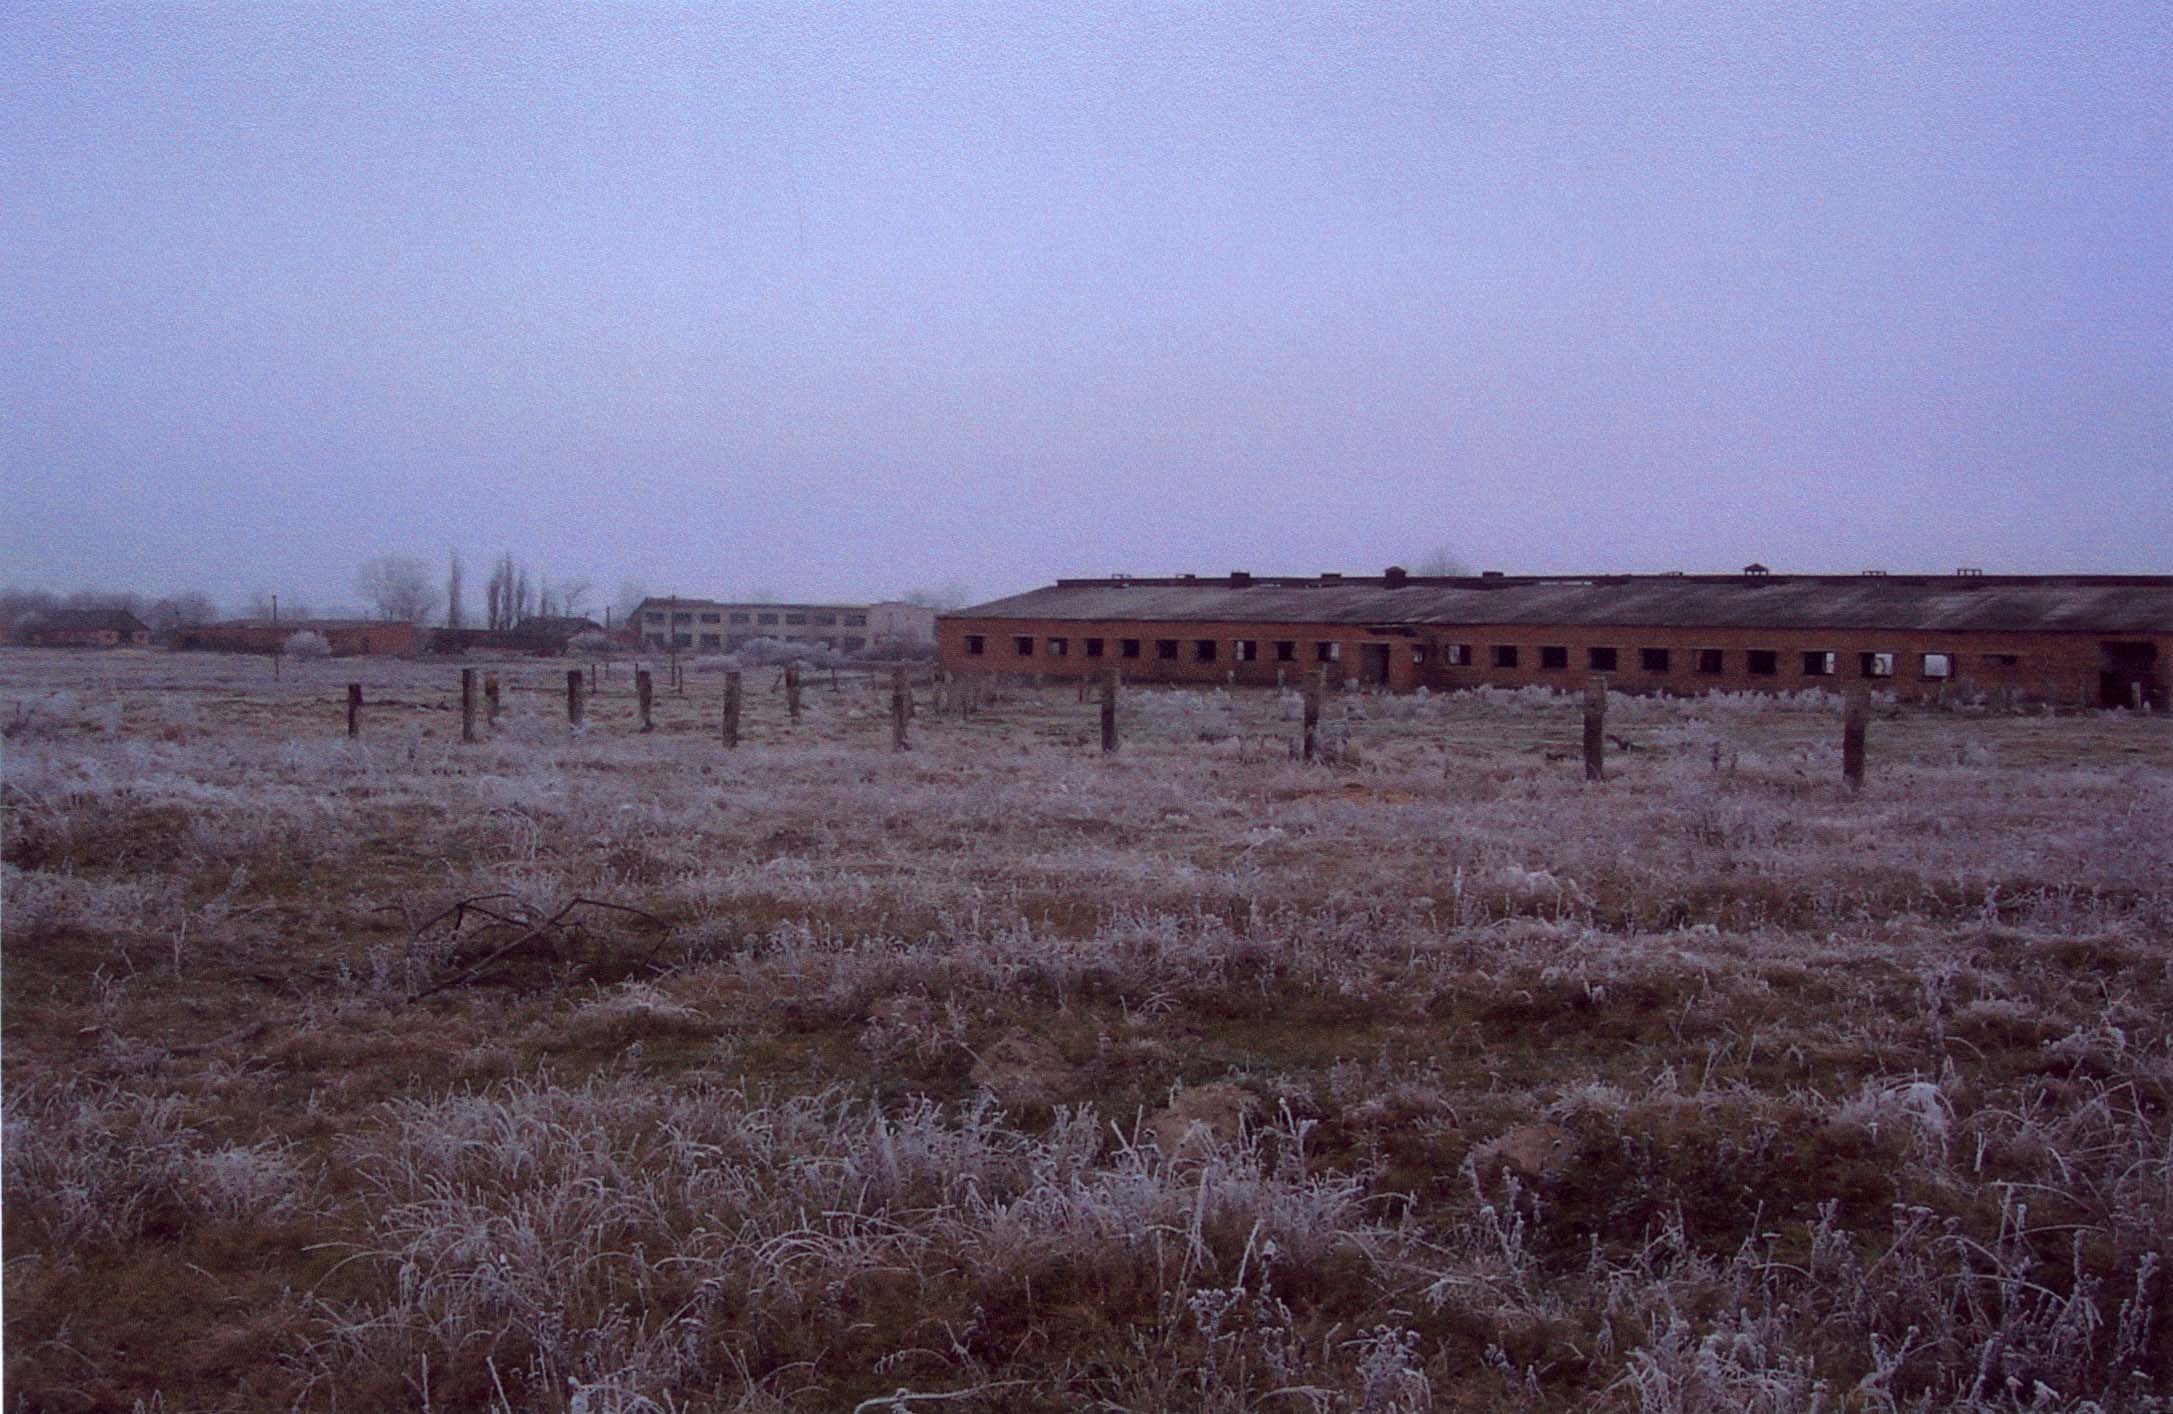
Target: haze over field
842,303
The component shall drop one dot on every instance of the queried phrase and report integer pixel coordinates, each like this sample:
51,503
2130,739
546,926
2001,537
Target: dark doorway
1373,664
2127,674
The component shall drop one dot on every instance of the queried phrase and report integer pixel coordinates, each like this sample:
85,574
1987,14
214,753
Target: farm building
346,637
2098,640
83,628
719,626
545,637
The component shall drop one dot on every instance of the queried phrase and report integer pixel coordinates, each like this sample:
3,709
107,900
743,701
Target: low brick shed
2078,640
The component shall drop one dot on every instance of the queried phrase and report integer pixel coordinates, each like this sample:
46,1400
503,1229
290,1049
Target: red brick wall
2055,667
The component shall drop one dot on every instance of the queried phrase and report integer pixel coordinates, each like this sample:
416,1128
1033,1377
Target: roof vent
1968,573
1490,574
1671,574
1394,577
1330,577
1755,568
1874,574
1240,579
1188,576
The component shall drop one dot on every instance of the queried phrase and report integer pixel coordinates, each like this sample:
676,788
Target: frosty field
999,1070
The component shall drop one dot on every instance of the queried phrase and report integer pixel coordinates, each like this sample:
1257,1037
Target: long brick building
2095,640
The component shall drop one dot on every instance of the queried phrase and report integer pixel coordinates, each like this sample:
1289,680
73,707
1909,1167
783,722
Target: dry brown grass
1191,1078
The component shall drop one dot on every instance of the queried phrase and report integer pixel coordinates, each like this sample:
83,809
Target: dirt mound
1205,1111
1023,1070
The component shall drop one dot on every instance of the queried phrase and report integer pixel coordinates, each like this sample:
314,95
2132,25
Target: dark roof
537,624
305,625
86,621
2140,604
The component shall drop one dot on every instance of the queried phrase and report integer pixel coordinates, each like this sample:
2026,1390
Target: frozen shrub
307,645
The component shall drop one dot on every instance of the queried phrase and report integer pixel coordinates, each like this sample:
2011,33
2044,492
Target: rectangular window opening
976,645
1652,660
1875,665
1127,648
1938,665
1059,647
1023,645
1327,652
1165,649
1245,650
1762,662
1818,665
1505,655
1553,656
1600,660
1712,660
1203,650
1286,650
1094,647
1456,655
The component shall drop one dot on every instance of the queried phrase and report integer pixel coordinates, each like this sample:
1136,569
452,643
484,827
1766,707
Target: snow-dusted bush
308,645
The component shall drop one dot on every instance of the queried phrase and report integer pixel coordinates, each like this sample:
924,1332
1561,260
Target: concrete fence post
1855,723
1313,688
354,709
731,710
1109,712
645,696
1595,730
490,698
901,697
467,704
573,698
792,691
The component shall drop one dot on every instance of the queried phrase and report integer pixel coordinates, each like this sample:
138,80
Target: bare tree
951,594
264,604
455,610
182,610
399,586
573,594
630,595
1441,560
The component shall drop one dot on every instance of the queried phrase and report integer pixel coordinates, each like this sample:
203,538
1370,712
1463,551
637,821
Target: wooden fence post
467,704
573,698
901,697
792,691
1313,687
490,698
1855,719
731,710
1109,712
645,694
1595,730
354,709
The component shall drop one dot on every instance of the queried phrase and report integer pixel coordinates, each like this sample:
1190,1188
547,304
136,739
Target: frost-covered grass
1189,1078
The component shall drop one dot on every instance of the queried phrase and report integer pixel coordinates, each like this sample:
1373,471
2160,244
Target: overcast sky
837,300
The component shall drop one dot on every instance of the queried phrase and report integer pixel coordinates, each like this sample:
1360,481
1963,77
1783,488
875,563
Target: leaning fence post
792,691
467,704
354,709
901,698
573,698
1855,720
1109,712
1312,714
645,694
1595,730
490,698
731,710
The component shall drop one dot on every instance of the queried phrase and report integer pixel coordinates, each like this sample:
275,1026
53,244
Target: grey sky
841,300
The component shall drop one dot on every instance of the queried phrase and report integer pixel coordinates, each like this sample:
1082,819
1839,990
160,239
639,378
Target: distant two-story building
720,626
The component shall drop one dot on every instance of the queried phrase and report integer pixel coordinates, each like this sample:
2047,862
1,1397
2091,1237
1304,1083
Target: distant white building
719,626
